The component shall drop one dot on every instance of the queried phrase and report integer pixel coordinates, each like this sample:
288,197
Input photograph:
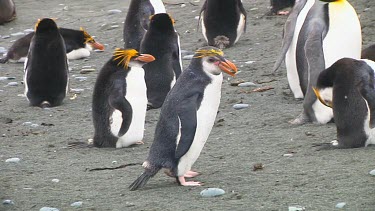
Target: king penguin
137,20
119,100
223,22
46,66
162,41
78,44
313,40
7,11
187,117
348,88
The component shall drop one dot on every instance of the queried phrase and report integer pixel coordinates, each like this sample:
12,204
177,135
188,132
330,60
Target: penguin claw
191,174
139,142
183,182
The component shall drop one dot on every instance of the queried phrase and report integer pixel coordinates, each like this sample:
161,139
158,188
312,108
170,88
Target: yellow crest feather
124,55
208,52
87,36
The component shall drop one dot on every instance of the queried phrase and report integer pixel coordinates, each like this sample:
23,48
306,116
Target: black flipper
289,28
187,113
142,180
117,101
368,92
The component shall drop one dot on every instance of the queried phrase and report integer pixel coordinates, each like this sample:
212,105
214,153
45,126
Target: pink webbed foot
283,13
191,174
139,143
183,182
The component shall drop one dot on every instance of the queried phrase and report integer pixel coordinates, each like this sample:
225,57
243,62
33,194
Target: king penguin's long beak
145,58
317,93
228,67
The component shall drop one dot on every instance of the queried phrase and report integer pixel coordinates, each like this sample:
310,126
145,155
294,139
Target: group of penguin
147,74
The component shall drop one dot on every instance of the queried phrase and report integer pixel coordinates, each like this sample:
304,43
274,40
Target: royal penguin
313,40
369,53
119,100
7,11
187,117
223,22
78,44
348,88
278,5
162,41
46,66
138,19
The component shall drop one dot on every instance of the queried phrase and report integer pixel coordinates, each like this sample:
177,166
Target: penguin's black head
162,22
324,87
213,62
90,40
45,25
131,58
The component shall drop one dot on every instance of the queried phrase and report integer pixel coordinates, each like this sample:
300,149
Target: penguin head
45,25
324,95
161,22
324,87
89,40
131,58
213,62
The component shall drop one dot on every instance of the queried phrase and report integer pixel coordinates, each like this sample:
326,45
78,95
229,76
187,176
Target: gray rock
76,204
12,160
6,78
76,91
34,125
6,37
296,208
340,205
3,50
247,84
240,106
12,83
212,192
81,78
48,209
114,26
372,172
115,11
8,202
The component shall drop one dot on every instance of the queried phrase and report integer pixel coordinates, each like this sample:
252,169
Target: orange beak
228,67
97,45
145,58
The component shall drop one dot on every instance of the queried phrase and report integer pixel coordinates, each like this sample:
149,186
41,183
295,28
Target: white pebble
55,180
17,34
372,172
183,5
115,26
27,123
76,204
115,11
247,84
77,91
8,202
212,192
12,83
288,155
12,160
296,208
81,78
249,62
34,125
114,162
240,106
340,205
48,209
3,50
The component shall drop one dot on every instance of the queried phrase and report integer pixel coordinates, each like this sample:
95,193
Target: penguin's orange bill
145,58
317,93
228,67
97,45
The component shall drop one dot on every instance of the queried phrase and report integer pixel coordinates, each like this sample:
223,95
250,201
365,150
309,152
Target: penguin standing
46,66
7,11
277,5
369,53
161,40
78,44
120,101
223,22
187,117
313,40
348,87
137,20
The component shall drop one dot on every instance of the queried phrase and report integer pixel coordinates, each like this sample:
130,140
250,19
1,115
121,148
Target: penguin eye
211,59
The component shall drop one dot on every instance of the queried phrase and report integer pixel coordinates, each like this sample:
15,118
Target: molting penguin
223,22
78,44
161,41
7,11
137,20
348,87
277,5
369,53
46,66
120,101
312,42
187,117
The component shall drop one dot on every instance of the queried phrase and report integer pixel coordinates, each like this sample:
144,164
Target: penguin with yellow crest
119,100
187,117
317,33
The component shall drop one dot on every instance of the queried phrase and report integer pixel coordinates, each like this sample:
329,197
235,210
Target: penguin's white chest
206,115
137,97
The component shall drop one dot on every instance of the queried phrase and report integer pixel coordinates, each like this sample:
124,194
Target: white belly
158,6
78,54
290,57
136,95
206,115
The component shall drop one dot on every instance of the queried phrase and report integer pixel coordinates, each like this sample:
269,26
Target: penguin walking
46,66
187,117
348,87
223,22
7,11
137,20
278,5
369,53
162,41
78,44
313,40
120,101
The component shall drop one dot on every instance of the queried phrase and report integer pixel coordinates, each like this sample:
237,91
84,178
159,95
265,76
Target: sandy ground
316,180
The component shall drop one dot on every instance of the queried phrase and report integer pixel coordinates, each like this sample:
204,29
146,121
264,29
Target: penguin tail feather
45,104
142,180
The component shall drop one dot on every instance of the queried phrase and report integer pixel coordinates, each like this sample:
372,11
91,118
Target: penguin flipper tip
140,181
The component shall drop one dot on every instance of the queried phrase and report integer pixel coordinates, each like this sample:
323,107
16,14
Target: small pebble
17,34
212,192
183,5
6,78
12,83
76,91
240,106
340,205
6,37
28,30
249,62
12,160
97,50
55,180
8,202
27,123
115,11
81,78
114,162
372,172
247,84
188,57
115,26
34,125
129,204
296,208
48,209
3,50
85,71
76,204
66,8
288,155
